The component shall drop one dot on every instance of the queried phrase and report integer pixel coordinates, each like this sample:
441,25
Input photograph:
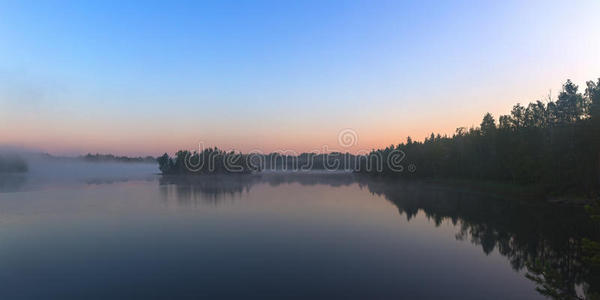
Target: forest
217,161
552,144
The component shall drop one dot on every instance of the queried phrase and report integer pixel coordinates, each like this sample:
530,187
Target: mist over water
45,171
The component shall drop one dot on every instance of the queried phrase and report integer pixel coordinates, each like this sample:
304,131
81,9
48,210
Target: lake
277,236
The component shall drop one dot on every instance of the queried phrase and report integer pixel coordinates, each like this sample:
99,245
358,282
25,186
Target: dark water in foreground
304,236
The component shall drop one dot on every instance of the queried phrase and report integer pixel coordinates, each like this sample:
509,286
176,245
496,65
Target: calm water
272,236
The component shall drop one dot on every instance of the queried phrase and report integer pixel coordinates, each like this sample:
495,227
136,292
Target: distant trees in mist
113,158
214,160
12,164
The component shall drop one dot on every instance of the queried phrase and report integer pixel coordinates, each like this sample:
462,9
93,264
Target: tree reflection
215,188
205,189
11,182
541,239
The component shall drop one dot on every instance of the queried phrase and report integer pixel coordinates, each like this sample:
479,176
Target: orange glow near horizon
374,129
75,141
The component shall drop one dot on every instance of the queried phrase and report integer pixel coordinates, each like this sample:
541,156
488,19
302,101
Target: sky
148,77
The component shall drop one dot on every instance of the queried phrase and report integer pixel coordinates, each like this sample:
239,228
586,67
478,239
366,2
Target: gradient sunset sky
143,78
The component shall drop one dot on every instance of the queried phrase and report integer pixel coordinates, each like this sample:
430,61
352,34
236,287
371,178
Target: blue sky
148,77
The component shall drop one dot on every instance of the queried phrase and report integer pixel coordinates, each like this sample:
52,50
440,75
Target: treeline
307,161
555,144
113,158
12,164
208,161
214,160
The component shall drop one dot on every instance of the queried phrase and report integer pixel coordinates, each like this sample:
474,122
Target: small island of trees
207,161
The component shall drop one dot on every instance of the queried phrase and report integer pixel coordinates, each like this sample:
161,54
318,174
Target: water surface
272,236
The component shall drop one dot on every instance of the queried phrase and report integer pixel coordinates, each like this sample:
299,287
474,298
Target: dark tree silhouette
208,161
12,164
555,145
